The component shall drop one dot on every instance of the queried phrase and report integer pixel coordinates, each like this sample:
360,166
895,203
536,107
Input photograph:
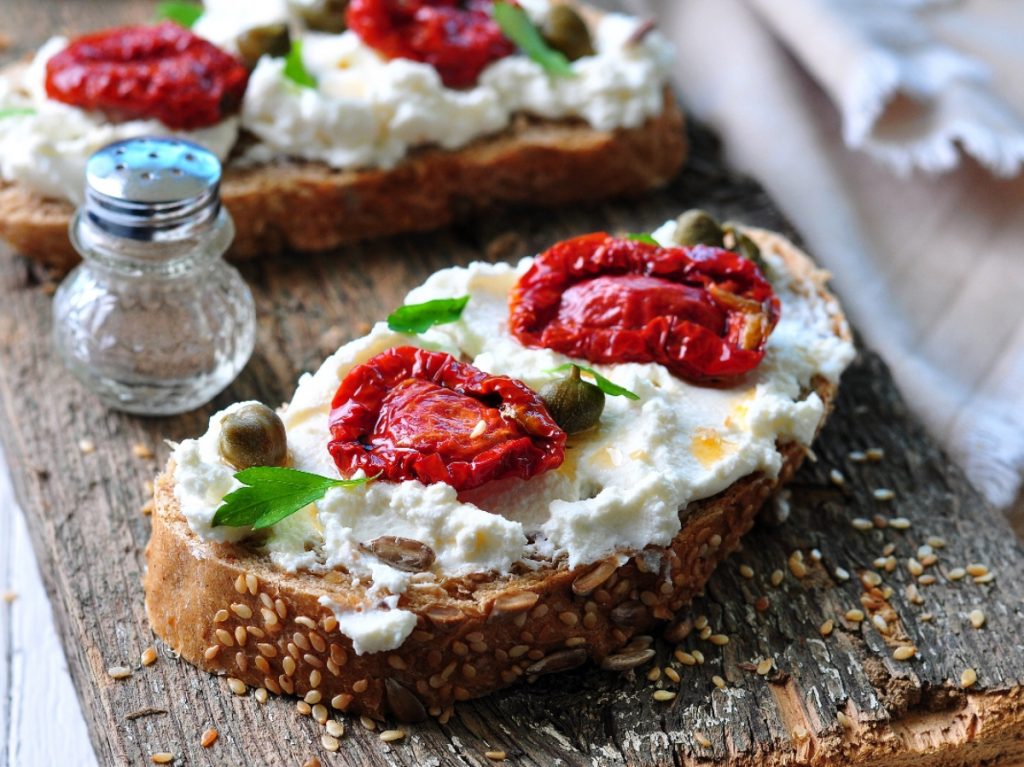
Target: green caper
743,245
697,227
566,31
575,404
323,15
270,40
253,435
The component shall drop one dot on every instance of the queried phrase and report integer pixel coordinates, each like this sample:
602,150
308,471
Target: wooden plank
83,513
33,674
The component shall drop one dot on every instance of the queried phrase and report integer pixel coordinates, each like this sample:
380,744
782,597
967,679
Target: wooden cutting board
836,700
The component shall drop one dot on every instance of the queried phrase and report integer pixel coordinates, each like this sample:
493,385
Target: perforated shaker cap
152,188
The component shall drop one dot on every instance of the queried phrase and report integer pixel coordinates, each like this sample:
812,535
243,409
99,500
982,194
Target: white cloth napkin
930,267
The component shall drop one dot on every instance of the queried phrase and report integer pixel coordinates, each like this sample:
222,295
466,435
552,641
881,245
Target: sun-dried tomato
414,414
704,313
163,72
458,38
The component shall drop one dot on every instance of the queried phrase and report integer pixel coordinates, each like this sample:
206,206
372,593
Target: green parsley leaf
295,69
272,493
603,383
16,112
415,318
641,237
518,28
183,13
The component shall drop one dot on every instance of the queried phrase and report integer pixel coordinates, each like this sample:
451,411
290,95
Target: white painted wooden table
41,720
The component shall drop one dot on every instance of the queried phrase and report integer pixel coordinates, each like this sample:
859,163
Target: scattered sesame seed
816,555
888,549
746,571
968,678
495,756
242,611
139,450
765,666
899,523
854,616
883,494
929,559
777,576
312,697
148,657
844,720
672,674
86,446
209,738
699,657
874,454
329,742
685,658
702,740
857,456
878,562
880,623
842,574
936,542
705,633
836,478
335,728
320,713
986,578
718,682
871,578
826,628
718,639
654,674
480,428
663,695
303,708
161,757
389,736
261,695
701,622
914,567
797,566
860,523
119,672
904,652
368,723
926,580
237,686
956,574
977,618
976,570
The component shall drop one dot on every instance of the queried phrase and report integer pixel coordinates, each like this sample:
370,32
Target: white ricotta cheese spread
366,112
619,489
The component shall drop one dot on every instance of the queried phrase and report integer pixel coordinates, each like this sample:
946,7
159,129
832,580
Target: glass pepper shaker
153,320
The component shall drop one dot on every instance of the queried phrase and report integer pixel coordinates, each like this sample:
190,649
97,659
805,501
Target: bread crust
231,612
536,162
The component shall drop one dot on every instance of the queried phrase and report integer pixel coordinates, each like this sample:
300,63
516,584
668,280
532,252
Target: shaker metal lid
152,188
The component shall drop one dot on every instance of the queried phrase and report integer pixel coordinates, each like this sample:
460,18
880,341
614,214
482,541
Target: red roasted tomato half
163,72
704,313
409,413
459,38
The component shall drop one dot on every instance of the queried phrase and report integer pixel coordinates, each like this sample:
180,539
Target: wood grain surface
841,699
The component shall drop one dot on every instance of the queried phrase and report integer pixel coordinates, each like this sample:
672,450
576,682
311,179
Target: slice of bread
232,612
534,161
